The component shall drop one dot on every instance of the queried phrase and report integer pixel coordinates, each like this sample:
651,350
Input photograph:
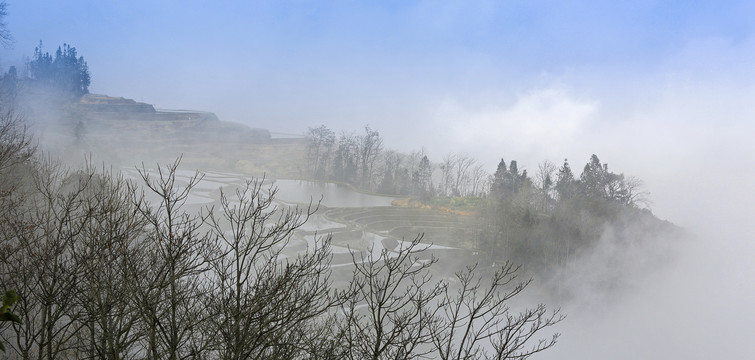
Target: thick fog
690,141
658,92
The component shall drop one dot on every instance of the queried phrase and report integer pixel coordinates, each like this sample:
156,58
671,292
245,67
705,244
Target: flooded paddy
333,195
358,223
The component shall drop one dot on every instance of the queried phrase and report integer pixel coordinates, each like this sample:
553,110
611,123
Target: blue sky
252,61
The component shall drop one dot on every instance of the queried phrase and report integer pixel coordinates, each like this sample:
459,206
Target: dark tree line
362,161
64,75
67,72
543,220
548,221
348,158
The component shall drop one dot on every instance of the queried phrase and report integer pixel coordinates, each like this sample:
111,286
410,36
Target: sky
661,90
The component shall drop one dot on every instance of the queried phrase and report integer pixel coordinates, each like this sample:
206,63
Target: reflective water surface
333,195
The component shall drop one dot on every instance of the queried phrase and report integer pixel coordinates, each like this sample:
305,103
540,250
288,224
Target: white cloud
541,124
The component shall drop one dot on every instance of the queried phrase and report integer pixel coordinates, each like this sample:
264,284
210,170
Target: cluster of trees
103,272
350,158
64,76
546,221
66,73
462,175
542,220
362,161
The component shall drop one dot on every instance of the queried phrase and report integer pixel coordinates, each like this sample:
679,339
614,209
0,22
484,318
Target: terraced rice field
438,227
355,231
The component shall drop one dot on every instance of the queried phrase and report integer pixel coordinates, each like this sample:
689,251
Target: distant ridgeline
104,103
102,110
118,108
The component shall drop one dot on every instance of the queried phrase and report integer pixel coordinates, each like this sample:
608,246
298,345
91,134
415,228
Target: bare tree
103,273
397,311
346,158
461,176
17,166
391,314
171,275
111,241
446,170
475,317
478,180
369,146
15,142
42,233
262,301
635,195
321,141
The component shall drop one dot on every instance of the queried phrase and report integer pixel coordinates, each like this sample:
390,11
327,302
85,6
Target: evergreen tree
421,177
513,168
565,182
9,85
67,73
513,178
499,178
594,178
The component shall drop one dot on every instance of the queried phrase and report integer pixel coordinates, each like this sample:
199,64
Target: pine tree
499,179
565,182
67,73
594,178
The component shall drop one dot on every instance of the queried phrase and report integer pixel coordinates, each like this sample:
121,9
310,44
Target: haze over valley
601,150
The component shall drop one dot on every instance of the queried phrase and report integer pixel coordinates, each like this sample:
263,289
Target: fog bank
693,151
